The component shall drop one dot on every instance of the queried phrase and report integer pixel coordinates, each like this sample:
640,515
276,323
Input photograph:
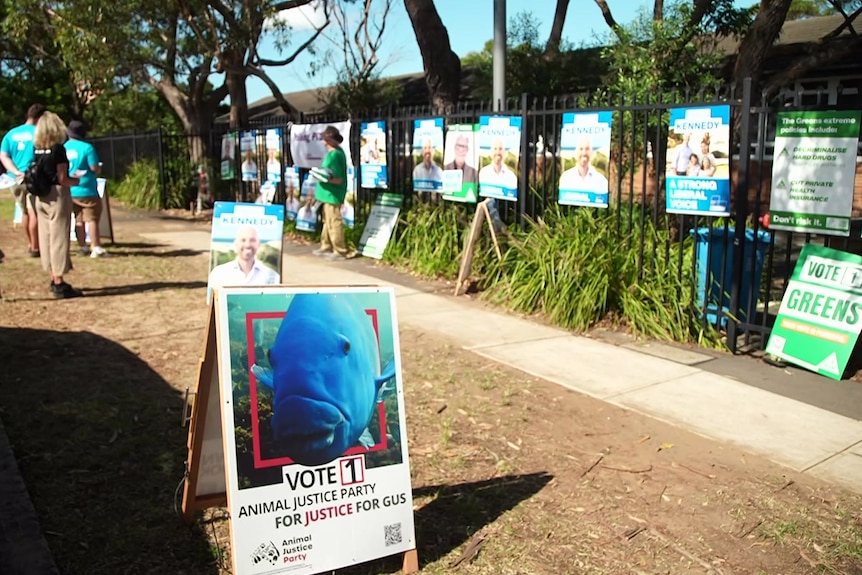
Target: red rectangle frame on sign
259,462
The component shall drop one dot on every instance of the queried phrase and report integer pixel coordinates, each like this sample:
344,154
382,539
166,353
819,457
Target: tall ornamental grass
578,270
427,239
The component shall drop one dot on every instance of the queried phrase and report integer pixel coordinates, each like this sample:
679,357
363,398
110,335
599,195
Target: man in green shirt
330,191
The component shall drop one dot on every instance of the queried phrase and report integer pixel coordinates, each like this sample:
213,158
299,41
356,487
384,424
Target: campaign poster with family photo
246,245
273,155
428,155
698,161
292,192
499,151
585,144
228,156
372,158
315,435
461,158
307,147
248,151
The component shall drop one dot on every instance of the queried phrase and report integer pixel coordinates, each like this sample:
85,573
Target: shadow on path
97,437
139,288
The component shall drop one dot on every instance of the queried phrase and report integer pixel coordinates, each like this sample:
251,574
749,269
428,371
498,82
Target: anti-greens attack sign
821,312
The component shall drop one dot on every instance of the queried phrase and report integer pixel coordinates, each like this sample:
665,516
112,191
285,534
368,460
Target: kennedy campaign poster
306,143
248,153
228,156
246,245
306,215
428,155
292,192
461,160
273,155
499,150
315,435
814,172
585,145
372,158
698,161
821,312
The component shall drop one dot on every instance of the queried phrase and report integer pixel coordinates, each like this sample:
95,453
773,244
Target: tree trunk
442,65
759,39
552,48
235,76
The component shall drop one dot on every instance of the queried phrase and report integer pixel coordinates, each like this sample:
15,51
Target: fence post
741,205
525,157
162,176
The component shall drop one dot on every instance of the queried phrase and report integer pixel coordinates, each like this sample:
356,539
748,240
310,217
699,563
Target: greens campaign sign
460,176
821,312
585,143
499,153
381,222
372,155
315,442
698,169
813,172
428,155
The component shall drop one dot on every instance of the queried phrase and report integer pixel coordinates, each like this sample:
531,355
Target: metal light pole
499,55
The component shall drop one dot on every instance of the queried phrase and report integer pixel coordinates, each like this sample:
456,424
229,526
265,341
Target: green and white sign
813,172
381,222
821,312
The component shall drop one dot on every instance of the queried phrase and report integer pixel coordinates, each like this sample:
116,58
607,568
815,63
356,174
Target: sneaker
98,252
2,256
65,291
34,253
84,251
320,252
334,257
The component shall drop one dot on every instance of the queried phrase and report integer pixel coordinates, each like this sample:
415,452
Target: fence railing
636,174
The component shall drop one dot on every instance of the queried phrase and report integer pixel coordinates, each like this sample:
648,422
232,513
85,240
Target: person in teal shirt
16,154
331,191
86,203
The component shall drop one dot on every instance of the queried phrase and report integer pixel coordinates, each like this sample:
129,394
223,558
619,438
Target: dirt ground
538,479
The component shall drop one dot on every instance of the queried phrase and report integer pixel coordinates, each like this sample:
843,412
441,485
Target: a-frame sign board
486,211
296,504
205,477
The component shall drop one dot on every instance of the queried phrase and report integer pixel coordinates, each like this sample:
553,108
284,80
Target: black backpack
36,177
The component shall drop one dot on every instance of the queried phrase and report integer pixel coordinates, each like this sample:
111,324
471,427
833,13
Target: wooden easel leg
411,562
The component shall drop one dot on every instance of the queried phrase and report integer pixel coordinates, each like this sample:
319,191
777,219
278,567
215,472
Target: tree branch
276,91
298,51
609,18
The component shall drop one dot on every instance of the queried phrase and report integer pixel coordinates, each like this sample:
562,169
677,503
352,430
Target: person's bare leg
79,233
93,229
32,227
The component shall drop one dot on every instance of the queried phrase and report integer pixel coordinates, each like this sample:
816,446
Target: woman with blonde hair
54,209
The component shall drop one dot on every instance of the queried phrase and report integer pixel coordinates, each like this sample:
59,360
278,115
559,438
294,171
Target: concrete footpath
801,420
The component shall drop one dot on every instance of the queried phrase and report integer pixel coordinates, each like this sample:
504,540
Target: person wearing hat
331,190
86,203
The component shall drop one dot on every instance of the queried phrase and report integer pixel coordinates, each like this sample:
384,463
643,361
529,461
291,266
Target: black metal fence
747,298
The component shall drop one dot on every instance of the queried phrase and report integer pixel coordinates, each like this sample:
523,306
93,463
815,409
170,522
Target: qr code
392,534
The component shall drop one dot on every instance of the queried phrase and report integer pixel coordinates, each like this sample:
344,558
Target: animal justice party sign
313,413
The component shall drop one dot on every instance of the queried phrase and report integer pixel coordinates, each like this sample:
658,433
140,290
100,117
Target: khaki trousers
332,236
54,212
